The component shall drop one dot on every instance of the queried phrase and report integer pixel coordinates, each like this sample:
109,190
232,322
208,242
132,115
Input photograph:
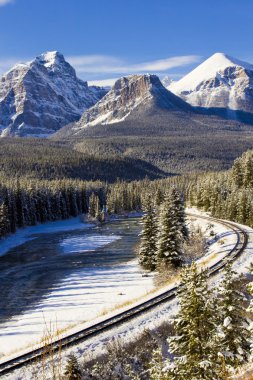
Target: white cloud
5,2
106,64
87,60
104,70
103,82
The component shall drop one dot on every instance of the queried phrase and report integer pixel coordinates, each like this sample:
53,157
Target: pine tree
194,345
178,203
92,205
156,370
158,197
72,369
148,245
170,236
234,333
98,214
4,220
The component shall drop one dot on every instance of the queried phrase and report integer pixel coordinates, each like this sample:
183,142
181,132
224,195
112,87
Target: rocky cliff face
128,94
39,97
219,82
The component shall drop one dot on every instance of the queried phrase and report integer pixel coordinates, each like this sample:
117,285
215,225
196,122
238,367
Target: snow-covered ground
87,293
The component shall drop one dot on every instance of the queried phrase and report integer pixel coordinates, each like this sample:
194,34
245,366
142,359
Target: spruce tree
178,203
4,220
233,329
98,214
156,370
148,245
170,236
93,201
72,369
194,345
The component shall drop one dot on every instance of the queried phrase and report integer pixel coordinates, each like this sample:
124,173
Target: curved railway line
111,322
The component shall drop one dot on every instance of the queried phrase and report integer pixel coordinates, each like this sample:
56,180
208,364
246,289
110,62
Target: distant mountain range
220,83
40,97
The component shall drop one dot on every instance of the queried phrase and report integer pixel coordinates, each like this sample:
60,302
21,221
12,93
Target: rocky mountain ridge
41,96
129,94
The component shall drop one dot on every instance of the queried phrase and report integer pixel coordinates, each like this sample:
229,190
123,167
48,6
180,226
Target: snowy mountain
166,81
41,96
221,82
135,93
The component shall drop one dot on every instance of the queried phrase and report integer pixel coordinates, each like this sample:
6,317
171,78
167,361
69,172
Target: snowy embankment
80,299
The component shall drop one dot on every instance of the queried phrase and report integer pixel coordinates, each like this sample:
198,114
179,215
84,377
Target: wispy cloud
5,2
112,65
104,70
103,82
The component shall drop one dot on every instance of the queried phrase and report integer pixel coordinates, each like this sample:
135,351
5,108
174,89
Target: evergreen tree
158,197
92,205
72,369
170,236
156,371
178,203
194,345
148,245
98,213
233,330
4,220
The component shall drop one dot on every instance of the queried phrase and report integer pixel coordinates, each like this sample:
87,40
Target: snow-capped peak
51,59
221,83
166,81
208,69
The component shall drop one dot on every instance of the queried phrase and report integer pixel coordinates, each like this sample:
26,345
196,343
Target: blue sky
104,39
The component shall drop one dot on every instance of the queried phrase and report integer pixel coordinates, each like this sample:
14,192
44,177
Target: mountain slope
132,95
39,97
220,82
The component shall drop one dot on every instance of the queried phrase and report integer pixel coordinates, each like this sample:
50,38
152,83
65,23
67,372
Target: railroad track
34,356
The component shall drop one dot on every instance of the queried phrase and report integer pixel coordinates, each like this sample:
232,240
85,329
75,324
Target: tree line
26,202
228,194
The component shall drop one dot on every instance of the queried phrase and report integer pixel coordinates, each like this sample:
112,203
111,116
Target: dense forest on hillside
173,154
174,142
44,159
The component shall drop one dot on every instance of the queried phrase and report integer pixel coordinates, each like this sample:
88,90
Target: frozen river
69,277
